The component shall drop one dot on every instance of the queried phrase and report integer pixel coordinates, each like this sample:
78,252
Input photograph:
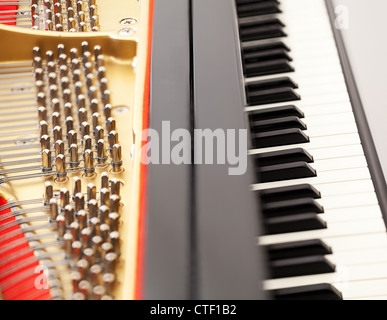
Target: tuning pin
86,237
46,161
42,114
117,158
64,198
74,228
73,55
85,129
76,251
57,132
68,109
74,158
43,128
91,192
72,137
41,99
101,152
104,180
114,221
111,124
104,230
53,209
49,56
104,214
79,200
64,81
60,224
96,273
81,216
48,193
89,163
69,124
88,254
104,195
110,262
109,280
103,84
83,268
115,186
115,201
101,73
115,241
96,245
92,206
36,52
87,142
55,105
59,148
61,172
45,142
69,215
94,225
107,111
77,186
113,139
55,118
68,241
99,133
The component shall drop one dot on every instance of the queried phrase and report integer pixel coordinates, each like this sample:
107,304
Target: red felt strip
143,174
18,273
8,8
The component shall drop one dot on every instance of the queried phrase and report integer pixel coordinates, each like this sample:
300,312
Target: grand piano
211,150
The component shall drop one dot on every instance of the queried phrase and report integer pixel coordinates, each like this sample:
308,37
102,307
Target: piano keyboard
324,231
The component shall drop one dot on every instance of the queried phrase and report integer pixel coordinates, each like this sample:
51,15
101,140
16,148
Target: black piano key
256,52
301,266
257,8
278,112
291,207
278,138
289,193
271,84
262,29
271,91
323,291
260,53
294,223
277,124
283,156
263,68
298,249
269,96
286,171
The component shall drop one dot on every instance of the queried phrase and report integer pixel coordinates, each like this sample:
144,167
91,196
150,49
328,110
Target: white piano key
341,229
339,163
323,178
338,152
352,187
330,119
333,215
330,129
317,143
359,256
351,280
357,241
345,201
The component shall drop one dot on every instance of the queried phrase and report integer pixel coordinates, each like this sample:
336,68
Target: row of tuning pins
65,15
60,86
88,228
